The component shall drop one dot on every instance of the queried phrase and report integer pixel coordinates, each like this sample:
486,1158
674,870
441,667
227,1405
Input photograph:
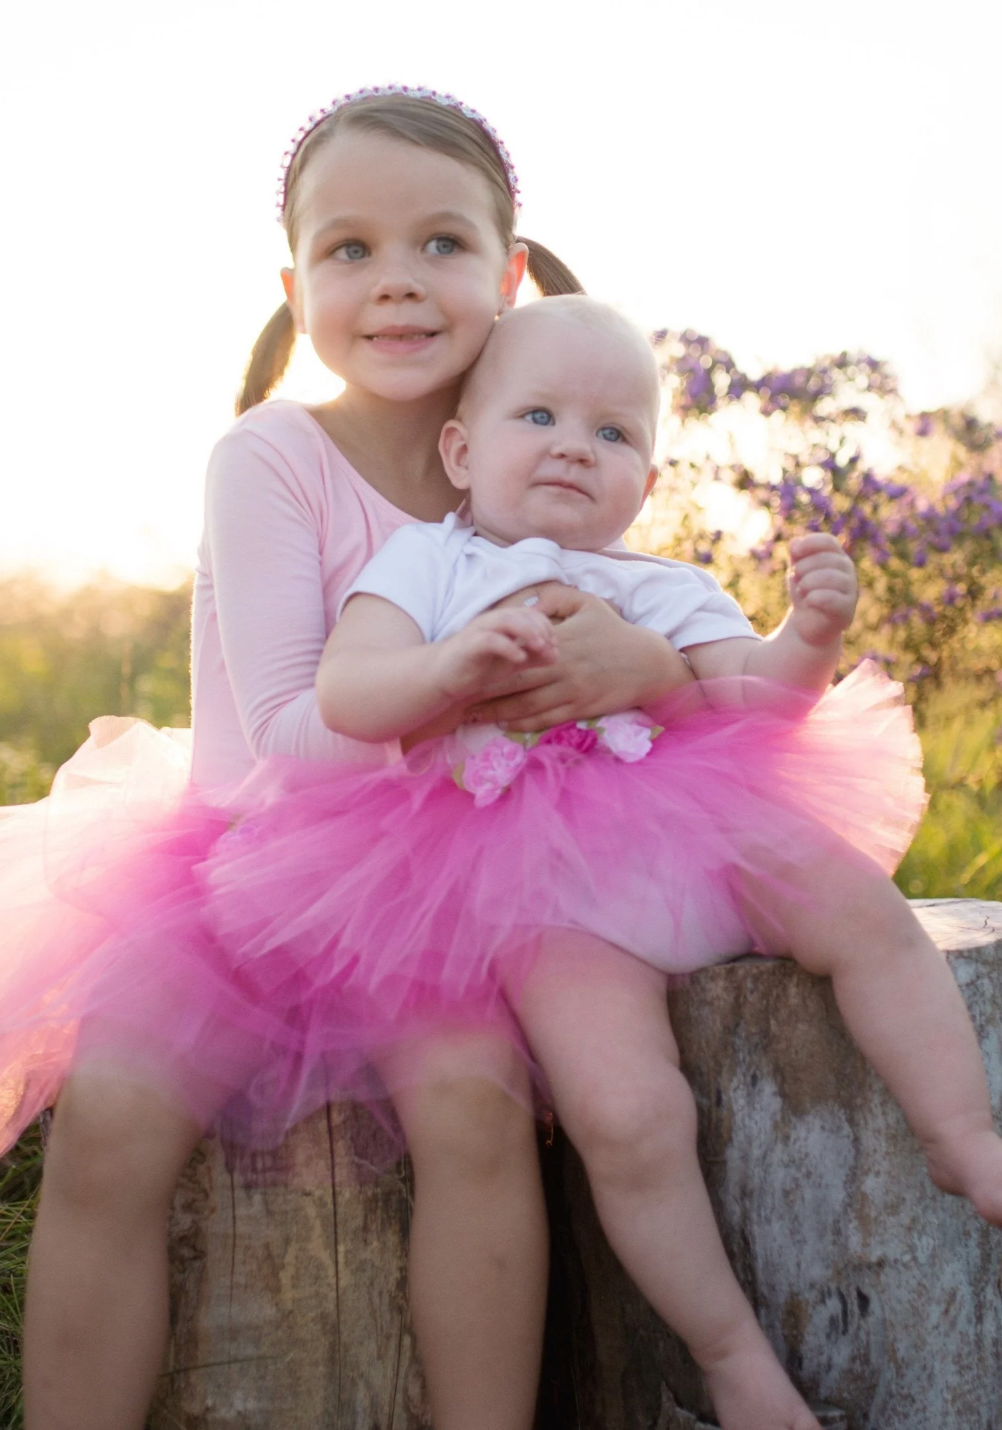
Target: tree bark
289,1287
881,1295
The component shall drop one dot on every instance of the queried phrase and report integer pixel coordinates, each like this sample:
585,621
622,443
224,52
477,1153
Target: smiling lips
399,339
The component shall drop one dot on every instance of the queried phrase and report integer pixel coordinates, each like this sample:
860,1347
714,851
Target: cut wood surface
288,1280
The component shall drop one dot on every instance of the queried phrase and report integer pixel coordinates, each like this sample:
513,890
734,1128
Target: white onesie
443,574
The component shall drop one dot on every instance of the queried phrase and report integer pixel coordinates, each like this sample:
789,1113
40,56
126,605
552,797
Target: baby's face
556,434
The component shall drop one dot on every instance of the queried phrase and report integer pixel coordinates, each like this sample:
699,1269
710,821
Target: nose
573,446
395,281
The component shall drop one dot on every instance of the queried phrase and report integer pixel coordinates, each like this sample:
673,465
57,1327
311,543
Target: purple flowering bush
917,501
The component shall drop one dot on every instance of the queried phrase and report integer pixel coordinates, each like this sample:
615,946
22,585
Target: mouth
401,338
559,484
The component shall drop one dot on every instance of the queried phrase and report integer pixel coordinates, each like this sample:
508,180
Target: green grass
957,852
20,1172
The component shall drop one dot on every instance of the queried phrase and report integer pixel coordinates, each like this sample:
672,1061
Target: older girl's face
399,267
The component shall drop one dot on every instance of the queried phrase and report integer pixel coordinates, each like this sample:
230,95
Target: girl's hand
822,584
494,644
603,664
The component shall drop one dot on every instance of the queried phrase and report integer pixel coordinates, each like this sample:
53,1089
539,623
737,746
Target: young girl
399,208
530,864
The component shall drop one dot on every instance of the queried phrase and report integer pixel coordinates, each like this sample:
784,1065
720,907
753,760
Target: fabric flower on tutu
488,773
571,736
628,736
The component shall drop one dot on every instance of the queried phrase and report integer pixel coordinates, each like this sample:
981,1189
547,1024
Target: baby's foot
970,1165
750,1391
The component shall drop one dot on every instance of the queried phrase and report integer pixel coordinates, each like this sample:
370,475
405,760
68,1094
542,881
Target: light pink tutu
104,951
262,951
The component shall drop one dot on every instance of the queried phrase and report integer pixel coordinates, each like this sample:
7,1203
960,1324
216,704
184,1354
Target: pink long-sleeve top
289,524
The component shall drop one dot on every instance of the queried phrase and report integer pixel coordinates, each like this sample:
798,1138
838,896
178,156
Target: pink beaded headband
447,101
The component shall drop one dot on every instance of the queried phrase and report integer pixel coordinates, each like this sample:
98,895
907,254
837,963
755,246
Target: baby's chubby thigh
596,1019
827,906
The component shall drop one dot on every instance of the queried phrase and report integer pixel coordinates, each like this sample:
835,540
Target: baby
571,872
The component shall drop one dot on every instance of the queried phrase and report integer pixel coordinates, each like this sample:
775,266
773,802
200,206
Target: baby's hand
491,646
822,583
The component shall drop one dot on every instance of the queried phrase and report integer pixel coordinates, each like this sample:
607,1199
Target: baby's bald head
555,430
579,320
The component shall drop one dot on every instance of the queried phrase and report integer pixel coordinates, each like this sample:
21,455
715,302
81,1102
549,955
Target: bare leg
902,1006
96,1311
597,1020
479,1248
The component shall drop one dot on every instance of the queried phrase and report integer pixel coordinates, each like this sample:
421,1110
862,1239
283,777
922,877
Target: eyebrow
358,221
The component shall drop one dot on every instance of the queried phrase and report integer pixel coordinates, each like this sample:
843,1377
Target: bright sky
792,178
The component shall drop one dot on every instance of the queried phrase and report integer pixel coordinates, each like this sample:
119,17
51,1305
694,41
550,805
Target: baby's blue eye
611,434
352,250
540,417
442,245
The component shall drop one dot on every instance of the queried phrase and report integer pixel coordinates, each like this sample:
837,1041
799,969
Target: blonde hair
430,126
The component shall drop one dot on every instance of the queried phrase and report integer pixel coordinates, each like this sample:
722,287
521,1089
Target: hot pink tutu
388,902
259,952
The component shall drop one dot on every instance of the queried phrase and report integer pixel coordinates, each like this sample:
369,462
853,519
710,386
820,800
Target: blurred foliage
916,500
107,649
957,852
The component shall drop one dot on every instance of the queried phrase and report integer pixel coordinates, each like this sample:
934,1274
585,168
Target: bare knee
468,1109
630,1130
116,1149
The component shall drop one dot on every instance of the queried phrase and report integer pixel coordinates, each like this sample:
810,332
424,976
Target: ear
292,297
514,272
652,477
454,448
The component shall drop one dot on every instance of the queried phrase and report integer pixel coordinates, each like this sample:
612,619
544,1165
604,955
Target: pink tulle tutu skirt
274,947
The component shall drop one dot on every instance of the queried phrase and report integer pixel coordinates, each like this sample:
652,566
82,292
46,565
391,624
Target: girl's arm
804,650
379,678
264,581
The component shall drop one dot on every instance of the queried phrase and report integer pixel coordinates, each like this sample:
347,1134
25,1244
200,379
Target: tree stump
289,1287
881,1295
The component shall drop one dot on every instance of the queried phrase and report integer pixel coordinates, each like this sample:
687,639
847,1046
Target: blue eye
442,245
539,417
352,250
611,434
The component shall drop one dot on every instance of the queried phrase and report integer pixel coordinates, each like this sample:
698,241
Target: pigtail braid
268,360
550,275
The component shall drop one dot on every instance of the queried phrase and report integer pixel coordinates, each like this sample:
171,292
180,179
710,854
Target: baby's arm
804,650
379,678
